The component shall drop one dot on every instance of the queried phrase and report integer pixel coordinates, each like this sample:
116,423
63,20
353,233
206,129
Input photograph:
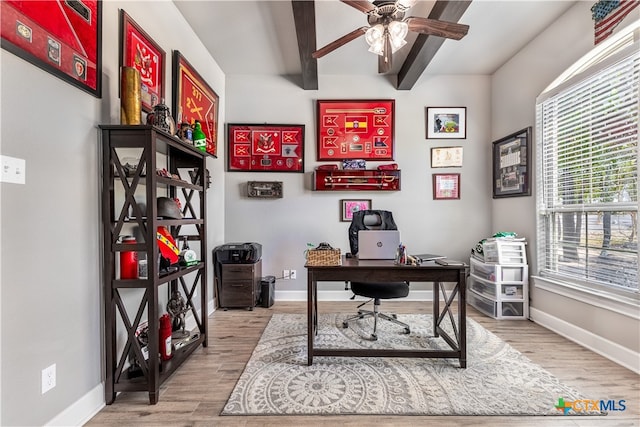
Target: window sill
627,305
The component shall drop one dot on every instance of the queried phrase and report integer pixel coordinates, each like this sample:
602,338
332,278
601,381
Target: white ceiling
259,37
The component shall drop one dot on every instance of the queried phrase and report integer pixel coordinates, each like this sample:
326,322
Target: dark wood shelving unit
129,208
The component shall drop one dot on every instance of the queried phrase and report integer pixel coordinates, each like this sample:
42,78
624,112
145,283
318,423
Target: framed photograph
361,129
446,157
446,122
139,51
63,38
265,148
446,186
193,99
349,206
511,165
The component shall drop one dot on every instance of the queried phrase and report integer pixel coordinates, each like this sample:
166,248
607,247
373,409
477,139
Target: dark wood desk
353,269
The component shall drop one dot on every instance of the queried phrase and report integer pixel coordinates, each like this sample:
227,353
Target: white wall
285,226
604,326
50,272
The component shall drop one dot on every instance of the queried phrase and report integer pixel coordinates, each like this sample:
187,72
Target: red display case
356,180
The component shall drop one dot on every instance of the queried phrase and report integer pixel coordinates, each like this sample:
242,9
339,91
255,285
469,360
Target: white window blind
587,176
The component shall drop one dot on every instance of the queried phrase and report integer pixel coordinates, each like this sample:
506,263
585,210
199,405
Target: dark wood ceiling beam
304,14
425,47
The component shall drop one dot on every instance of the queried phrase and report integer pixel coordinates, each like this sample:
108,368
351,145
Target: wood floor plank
197,392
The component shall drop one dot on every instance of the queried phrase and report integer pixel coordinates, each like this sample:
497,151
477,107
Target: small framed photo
446,157
349,206
139,51
446,122
446,186
511,165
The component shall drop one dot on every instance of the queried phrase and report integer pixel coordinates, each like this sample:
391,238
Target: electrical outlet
293,275
48,378
285,274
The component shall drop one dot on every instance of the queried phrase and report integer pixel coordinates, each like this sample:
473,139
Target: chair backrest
370,219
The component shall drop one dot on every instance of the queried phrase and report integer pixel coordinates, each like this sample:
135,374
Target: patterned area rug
498,379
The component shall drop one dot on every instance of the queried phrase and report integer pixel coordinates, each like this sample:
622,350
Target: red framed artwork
193,99
139,51
446,186
265,148
61,37
361,129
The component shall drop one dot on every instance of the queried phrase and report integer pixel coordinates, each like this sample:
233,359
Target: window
587,172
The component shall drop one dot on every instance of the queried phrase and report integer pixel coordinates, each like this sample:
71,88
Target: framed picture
511,165
355,129
446,186
446,157
63,38
349,206
139,51
265,148
193,99
446,122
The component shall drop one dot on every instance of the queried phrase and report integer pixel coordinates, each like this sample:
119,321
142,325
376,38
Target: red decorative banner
193,99
265,148
356,129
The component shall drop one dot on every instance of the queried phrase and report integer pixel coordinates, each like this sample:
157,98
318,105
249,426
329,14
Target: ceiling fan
388,28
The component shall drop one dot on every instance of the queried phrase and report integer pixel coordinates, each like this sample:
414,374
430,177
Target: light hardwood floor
197,392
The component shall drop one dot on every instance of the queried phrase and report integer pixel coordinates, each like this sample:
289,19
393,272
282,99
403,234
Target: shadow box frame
32,34
432,122
152,74
339,138
244,141
446,186
193,99
349,206
512,165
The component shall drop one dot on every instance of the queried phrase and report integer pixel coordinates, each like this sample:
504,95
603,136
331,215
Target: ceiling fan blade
362,5
339,42
432,27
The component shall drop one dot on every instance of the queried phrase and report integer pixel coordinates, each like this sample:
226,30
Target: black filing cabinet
239,285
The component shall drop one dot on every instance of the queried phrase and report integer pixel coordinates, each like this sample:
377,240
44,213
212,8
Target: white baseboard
604,347
82,410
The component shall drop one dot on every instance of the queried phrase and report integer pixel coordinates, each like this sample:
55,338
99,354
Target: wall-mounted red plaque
356,129
265,148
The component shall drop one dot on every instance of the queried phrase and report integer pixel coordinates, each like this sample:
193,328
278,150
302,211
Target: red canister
165,337
129,260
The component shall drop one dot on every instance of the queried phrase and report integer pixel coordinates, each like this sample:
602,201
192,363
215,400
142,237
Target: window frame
600,58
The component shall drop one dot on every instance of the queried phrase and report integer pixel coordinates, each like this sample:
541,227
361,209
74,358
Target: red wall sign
356,129
265,148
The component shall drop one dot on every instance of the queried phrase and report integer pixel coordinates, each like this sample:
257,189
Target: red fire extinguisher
128,260
165,337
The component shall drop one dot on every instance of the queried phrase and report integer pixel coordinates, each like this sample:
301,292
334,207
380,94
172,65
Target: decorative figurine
161,118
176,307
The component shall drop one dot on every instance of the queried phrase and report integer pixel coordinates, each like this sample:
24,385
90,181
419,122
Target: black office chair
374,220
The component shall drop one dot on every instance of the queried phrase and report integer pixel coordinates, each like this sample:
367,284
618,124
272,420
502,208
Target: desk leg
436,308
312,309
462,317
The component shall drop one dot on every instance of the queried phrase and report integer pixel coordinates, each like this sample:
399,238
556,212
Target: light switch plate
13,170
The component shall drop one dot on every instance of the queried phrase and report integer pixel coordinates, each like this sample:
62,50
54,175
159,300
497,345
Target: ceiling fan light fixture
398,30
375,39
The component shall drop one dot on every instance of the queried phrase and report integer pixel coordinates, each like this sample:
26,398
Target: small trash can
267,291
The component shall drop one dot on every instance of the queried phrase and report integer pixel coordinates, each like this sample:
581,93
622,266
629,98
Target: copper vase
130,97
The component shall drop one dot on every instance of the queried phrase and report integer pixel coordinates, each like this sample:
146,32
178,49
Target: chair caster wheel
407,331
374,337
345,325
